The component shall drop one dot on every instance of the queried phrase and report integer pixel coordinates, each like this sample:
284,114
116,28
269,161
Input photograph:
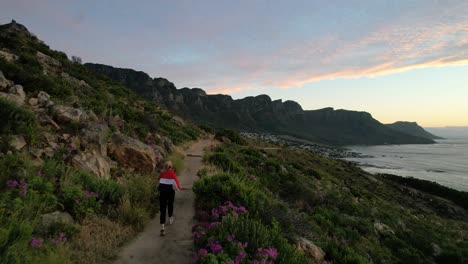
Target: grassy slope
125,202
336,205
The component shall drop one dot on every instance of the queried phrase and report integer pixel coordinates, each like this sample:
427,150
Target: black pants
166,201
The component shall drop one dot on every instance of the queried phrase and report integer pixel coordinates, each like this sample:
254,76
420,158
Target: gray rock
4,83
43,98
436,250
310,249
283,170
47,221
33,101
17,142
94,163
69,114
15,99
167,143
48,63
94,138
18,90
49,152
8,56
36,152
383,229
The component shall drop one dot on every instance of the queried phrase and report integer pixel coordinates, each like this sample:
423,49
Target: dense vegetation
104,212
355,217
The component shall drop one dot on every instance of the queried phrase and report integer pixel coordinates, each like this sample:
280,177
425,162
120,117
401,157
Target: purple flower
242,209
214,224
268,253
39,173
230,238
202,251
61,239
216,247
36,242
12,183
70,149
215,212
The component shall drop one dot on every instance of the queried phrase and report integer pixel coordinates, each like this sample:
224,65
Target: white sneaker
171,220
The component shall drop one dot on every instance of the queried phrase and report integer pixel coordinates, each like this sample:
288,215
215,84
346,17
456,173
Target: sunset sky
398,60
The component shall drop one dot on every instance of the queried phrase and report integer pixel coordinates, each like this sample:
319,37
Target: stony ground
176,246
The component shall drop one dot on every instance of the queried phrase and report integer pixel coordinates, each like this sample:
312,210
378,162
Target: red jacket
169,177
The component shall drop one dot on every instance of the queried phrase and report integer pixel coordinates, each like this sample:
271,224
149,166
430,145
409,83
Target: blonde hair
168,165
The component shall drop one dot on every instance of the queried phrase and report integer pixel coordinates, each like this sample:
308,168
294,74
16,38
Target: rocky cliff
260,113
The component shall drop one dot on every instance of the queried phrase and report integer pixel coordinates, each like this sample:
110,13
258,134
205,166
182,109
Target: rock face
260,113
310,249
50,64
12,98
94,163
94,138
69,114
8,56
132,153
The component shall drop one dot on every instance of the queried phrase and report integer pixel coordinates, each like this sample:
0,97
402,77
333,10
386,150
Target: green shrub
16,120
231,135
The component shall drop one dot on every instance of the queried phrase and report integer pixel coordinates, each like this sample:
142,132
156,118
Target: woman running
168,184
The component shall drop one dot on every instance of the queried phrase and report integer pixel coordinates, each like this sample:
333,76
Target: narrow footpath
176,246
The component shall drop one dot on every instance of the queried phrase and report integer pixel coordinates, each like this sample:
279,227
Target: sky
397,59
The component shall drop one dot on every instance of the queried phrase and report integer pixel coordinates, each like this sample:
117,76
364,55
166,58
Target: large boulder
94,138
69,114
93,163
48,221
310,249
132,153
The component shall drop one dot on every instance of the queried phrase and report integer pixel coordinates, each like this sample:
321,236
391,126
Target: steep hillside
260,113
78,156
259,195
412,128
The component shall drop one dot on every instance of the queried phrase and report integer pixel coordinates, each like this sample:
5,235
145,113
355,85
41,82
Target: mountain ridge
261,113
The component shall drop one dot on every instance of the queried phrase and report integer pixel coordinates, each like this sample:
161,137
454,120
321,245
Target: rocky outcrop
93,163
48,63
15,93
94,138
310,249
69,114
8,56
132,153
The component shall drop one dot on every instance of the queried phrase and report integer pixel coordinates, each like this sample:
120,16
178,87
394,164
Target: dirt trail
176,246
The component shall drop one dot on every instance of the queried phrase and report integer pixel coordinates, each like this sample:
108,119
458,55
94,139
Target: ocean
445,162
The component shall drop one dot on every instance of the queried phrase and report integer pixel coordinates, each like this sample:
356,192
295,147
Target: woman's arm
174,176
